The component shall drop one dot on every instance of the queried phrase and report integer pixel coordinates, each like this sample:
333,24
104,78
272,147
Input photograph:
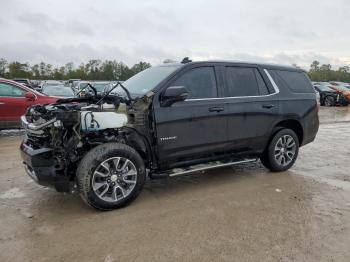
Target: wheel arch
140,143
292,124
331,96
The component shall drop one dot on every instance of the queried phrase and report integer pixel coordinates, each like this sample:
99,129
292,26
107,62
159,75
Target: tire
283,145
110,176
329,101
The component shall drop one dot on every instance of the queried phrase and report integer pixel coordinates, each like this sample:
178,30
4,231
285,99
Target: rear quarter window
296,82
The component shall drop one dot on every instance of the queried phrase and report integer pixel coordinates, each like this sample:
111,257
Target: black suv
179,118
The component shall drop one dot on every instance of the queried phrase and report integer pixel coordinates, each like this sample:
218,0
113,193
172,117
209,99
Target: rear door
253,106
196,126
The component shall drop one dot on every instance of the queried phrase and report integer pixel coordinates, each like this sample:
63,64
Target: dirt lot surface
244,213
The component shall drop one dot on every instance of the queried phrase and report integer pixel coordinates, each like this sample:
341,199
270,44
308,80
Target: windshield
146,80
343,88
83,84
51,84
100,87
325,88
58,91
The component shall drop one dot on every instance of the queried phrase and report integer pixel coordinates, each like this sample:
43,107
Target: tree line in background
113,70
325,73
93,70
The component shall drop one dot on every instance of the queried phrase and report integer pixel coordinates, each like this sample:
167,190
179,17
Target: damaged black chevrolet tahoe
179,118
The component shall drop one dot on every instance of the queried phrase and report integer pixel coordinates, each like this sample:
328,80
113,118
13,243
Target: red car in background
15,98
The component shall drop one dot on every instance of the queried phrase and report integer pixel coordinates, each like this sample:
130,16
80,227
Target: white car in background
50,83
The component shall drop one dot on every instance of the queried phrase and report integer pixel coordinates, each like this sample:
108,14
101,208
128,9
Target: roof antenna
186,60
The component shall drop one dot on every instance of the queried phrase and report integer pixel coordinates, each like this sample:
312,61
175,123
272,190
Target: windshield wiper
123,87
87,85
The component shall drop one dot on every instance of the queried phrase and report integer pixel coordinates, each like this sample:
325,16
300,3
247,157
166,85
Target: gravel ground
242,213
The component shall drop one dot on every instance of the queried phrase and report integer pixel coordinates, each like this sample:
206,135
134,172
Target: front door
196,126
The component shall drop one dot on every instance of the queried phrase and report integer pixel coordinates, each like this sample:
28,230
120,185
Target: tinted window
9,90
297,82
200,83
244,82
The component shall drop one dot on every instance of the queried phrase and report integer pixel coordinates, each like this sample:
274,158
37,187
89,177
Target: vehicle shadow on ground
167,190
209,177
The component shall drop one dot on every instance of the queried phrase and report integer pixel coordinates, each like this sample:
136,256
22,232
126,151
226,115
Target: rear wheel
282,152
110,176
329,101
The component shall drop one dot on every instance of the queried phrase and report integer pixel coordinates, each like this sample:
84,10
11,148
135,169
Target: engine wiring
92,121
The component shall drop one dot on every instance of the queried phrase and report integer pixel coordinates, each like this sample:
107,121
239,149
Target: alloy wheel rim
328,101
285,150
114,179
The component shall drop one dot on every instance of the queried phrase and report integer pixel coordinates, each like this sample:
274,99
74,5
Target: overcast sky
279,31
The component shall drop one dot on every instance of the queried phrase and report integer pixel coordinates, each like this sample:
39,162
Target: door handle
2,103
215,109
268,106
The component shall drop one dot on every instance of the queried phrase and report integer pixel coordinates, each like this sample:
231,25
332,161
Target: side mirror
30,96
174,94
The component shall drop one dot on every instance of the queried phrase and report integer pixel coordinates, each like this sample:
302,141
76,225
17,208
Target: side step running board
198,168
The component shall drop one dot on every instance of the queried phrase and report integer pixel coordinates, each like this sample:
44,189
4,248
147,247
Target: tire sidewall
274,165
93,159
330,99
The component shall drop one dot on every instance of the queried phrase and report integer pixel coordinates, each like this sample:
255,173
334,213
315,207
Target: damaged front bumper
39,165
57,136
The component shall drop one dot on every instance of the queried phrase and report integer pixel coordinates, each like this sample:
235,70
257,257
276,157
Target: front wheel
110,176
282,152
329,101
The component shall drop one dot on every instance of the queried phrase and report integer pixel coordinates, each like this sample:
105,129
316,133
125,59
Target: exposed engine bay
63,132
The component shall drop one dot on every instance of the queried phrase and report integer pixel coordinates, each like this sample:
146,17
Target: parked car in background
71,81
346,85
15,98
50,83
314,84
82,84
61,91
36,84
81,88
75,84
329,97
24,81
336,83
343,91
101,86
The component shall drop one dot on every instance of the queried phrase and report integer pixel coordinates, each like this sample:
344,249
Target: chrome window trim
277,90
274,85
